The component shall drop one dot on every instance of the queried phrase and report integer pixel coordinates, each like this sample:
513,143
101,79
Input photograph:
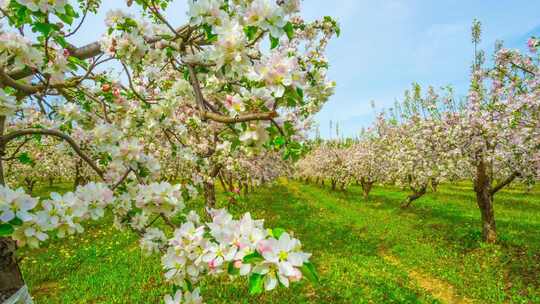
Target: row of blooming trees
240,78
492,137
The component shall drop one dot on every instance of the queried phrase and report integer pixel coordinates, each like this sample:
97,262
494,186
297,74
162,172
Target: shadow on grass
447,220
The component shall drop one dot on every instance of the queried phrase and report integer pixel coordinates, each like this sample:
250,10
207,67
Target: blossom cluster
32,219
237,247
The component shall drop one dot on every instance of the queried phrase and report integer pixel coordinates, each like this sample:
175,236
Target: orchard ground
366,251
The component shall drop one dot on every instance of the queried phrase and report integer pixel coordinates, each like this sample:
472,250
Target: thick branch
504,183
239,118
25,88
88,51
196,87
122,179
10,136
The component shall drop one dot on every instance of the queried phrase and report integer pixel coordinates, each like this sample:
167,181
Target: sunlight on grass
438,239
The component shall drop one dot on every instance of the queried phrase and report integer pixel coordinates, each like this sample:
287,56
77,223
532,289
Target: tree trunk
434,185
11,279
29,185
484,199
366,188
210,194
417,193
334,185
78,178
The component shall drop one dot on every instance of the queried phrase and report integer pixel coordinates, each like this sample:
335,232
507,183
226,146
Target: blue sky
386,45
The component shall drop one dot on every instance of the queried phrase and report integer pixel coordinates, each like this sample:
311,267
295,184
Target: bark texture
11,278
484,199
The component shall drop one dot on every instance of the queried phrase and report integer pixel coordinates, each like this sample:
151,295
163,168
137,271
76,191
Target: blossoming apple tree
247,73
499,127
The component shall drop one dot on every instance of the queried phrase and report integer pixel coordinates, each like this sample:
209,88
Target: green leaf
289,30
300,92
6,229
334,23
253,258
293,96
289,128
78,62
69,14
60,40
210,36
279,141
274,42
16,222
24,158
189,286
250,32
232,270
44,28
256,283
309,271
277,232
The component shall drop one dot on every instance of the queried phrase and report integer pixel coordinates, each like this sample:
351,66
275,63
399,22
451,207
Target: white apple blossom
18,48
267,15
184,298
255,133
44,6
160,198
15,203
284,255
8,103
153,240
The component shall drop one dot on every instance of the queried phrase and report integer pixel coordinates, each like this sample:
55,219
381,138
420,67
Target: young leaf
250,32
16,222
232,270
277,232
309,271
44,28
255,283
24,158
253,258
274,42
289,30
188,285
6,229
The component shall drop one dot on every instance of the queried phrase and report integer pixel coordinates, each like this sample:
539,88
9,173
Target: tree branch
239,118
50,132
196,87
84,52
504,183
5,79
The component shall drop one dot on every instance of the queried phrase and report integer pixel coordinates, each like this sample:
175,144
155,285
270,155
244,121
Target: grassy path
366,252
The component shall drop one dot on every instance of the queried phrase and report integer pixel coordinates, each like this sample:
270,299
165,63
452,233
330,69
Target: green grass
351,240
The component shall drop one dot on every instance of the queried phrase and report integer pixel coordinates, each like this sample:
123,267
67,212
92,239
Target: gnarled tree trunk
417,193
366,187
210,194
11,279
78,177
484,199
434,185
